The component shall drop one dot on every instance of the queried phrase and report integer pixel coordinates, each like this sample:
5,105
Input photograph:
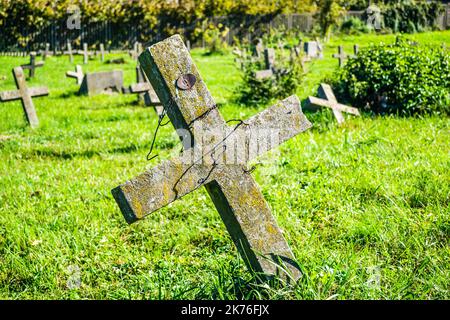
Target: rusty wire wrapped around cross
215,156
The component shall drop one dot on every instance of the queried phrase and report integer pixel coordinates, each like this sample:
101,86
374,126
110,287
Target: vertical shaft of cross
85,53
27,102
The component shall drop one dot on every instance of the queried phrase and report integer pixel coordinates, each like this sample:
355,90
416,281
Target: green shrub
215,38
354,26
411,16
400,78
284,82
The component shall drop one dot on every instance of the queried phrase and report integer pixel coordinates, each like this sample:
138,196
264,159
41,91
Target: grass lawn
364,206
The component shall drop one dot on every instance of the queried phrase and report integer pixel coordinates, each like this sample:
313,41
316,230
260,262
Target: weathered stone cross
145,91
102,52
78,74
269,59
216,157
328,99
33,64
341,55
24,94
69,51
85,53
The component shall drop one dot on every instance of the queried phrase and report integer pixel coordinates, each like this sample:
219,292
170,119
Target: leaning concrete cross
78,74
327,99
216,157
341,55
33,64
24,94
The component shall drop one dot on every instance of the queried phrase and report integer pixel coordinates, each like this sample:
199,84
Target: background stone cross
25,94
32,65
78,74
269,60
85,53
145,91
102,52
69,51
215,156
341,55
327,99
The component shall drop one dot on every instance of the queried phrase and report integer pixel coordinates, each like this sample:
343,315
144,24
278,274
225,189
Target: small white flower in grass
36,242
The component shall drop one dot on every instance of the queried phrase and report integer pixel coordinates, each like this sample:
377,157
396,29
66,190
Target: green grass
364,206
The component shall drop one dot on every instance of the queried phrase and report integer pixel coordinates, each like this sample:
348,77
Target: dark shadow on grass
67,155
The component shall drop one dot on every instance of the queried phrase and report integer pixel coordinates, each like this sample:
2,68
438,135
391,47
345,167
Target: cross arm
314,102
278,123
160,186
10,95
38,92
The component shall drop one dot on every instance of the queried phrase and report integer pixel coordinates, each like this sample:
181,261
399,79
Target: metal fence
120,36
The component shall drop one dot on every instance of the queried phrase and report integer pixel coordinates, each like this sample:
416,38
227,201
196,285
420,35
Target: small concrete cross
85,53
341,55
46,52
78,74
259,49
328,99
102,52
269,60
137,49
215,156
24,94
32,65
69,51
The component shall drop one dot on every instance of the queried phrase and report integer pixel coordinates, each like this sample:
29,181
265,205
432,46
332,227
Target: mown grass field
364,206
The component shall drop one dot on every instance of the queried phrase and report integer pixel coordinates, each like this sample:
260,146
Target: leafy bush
354,26
411,16
286,79
215,38
400,78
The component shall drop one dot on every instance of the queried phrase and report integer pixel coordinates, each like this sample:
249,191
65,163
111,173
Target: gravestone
25,95
328,100
78,74
32,65
341,55
319,49
102,82
355,49
311,49
209,159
